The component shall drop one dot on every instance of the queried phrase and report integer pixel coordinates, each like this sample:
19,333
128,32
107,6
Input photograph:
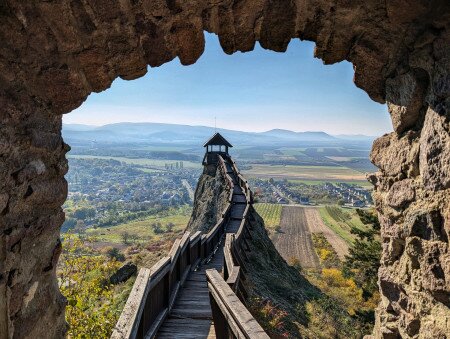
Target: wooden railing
228,293
231,317
155,290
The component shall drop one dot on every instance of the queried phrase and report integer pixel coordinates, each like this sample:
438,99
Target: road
316,225
188,188
294,240
282,194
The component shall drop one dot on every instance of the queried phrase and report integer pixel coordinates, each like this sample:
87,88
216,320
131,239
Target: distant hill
356,137
304,136
158,133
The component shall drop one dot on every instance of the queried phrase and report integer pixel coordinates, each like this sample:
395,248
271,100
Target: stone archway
53,54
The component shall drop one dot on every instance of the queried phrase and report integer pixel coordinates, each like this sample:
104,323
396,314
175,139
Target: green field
142,228
367,185
341,220
139,161
292,150
271,213
318,173
162,148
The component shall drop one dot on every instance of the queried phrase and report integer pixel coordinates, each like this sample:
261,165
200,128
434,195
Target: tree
170,226
363,260
125,237
114,253
91,310
157,228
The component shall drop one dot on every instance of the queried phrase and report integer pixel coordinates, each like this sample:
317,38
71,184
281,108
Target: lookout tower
216,145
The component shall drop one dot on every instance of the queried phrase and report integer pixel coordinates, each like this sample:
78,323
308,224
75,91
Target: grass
142,228
285,303
271,213
341,221
365,184
319,173
139,161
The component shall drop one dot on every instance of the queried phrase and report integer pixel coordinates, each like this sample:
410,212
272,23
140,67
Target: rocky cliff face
211,197
413,198
53,54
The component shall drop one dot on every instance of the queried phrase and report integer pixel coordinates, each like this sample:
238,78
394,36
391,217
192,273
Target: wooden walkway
191,316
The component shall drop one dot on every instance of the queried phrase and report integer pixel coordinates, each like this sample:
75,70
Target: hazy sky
254,91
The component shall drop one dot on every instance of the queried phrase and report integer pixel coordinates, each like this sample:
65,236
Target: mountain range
159,133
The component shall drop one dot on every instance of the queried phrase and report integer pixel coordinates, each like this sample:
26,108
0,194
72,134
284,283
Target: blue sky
254,91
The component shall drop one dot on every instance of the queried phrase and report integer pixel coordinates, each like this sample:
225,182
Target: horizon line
218,128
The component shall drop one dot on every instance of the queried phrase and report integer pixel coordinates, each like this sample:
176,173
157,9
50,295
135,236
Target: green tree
157,228
363,260
125,237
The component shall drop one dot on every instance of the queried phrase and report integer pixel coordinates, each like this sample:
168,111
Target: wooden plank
233,279
156,324
174,295
174,253
192,313
234,307
223,319
158,271
128,323
184,241
195,238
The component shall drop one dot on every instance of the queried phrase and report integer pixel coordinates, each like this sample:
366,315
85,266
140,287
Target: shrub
157,228
114,253
170,226
82,272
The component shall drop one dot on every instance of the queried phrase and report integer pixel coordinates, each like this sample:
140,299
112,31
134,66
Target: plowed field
316,225
295,241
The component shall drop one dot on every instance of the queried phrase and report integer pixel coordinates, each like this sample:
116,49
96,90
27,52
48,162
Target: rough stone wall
54,53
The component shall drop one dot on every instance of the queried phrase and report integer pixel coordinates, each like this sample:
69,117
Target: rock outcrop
211,197
125,272
53,54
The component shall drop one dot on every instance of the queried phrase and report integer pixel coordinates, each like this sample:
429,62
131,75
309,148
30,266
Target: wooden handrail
227,306
155,290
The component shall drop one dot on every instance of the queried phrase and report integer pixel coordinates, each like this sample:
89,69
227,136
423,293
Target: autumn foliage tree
91,310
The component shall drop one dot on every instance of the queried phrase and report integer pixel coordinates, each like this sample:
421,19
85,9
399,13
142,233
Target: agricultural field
317,173
271,213
341,220
294,241
318,227
365,184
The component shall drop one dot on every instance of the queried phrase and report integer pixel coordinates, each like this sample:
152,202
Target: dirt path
316,225
295,241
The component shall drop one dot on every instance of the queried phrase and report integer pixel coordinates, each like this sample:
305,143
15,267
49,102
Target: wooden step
186,328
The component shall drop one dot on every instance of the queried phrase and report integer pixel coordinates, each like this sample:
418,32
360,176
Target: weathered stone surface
435,151
401,193
405,101
54,54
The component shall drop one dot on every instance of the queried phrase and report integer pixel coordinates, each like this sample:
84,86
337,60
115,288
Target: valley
130,199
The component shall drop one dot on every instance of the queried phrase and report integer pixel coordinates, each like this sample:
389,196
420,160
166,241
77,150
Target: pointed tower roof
217,139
